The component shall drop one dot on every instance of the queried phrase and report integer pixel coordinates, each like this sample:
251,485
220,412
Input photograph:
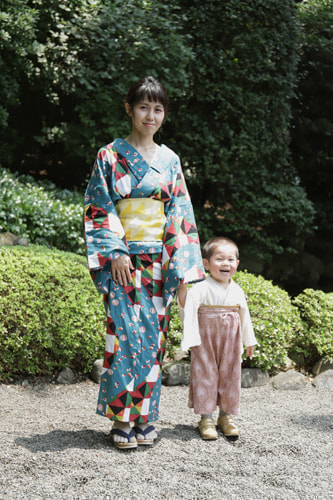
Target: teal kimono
138,314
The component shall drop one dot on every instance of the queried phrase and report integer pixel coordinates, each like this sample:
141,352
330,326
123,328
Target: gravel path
53,445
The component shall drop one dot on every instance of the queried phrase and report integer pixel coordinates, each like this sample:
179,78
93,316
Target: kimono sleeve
181,259
104,233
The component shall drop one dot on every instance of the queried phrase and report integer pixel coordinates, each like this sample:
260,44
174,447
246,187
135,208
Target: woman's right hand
121,270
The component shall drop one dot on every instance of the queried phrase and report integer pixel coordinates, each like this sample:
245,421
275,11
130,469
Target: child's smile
223,263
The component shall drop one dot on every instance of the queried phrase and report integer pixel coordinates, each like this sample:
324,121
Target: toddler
217,324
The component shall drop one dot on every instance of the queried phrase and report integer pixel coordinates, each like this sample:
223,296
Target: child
216,324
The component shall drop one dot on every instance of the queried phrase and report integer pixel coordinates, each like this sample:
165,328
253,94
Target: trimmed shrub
276,322
316,339
43,213
50,314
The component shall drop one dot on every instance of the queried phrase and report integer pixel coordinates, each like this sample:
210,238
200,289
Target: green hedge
51,317
50,314
43,213
316,339
276,322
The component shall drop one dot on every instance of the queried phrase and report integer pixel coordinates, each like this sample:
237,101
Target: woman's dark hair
150,88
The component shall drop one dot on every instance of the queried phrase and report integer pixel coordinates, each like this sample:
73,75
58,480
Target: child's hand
182,292
249,351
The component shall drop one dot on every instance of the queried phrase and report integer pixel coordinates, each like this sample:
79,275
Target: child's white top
211,293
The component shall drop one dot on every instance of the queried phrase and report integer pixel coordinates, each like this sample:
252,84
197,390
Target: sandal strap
145,431
120,432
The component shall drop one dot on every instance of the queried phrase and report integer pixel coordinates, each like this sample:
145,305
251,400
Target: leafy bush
316,339
175,332
50,313
43,213
276,322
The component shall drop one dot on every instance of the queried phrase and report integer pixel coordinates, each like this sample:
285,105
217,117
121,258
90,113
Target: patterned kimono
138,314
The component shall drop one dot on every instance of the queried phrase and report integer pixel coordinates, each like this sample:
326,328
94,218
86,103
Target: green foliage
17,34
175,331
230,69
233,131
276,321
85,55
312,133
41,212
316,339
50,313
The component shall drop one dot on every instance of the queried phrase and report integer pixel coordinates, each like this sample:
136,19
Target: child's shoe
227,425
207,428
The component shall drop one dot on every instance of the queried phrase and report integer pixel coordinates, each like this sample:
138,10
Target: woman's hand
121,270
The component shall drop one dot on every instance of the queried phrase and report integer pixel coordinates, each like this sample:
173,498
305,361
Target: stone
66,376
324,380
96,372
290,381
289,364
179,355
176,373
321,366
11,239
253,377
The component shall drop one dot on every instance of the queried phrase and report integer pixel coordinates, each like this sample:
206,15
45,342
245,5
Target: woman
142,244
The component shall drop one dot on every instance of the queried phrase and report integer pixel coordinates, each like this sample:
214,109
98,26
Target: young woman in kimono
142,243
217,324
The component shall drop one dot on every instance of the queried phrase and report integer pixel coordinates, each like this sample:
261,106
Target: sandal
207,428
128,435
144,432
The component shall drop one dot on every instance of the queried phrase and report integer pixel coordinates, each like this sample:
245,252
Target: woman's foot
145,433
123,436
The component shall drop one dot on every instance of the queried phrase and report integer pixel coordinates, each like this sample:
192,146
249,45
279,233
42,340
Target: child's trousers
216,363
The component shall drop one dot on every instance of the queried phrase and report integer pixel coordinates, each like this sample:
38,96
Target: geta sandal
143,432
127,435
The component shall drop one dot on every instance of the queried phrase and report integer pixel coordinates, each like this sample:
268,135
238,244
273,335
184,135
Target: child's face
223,264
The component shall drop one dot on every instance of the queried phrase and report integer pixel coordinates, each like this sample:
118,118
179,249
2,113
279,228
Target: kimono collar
136,163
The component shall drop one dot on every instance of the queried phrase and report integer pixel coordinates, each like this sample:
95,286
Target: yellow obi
143,219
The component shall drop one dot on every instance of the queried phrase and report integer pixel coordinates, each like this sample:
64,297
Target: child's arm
249,351
182,292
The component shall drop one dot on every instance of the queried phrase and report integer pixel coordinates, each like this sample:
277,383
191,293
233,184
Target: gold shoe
207,428
227,425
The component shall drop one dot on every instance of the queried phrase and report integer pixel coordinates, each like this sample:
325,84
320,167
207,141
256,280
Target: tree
17,48
232,129
312,134
84,55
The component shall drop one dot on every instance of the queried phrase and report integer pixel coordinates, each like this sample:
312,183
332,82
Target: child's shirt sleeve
189,316
248,337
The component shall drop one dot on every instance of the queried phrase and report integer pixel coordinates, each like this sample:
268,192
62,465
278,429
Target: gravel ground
53,445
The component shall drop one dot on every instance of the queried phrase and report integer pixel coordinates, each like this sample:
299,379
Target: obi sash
143,219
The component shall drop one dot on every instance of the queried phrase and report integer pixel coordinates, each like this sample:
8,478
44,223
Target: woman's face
147,116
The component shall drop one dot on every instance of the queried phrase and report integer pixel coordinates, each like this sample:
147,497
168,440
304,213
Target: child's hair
150,88
210,245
